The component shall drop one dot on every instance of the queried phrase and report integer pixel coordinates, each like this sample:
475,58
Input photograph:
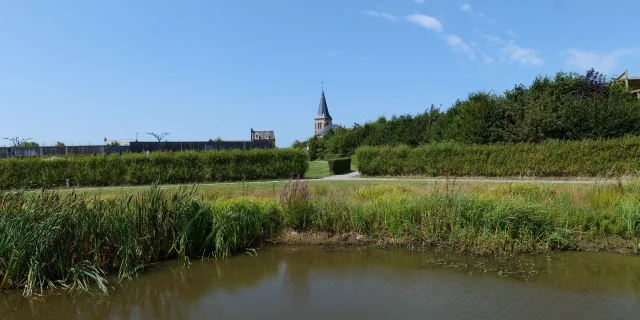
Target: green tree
59,144
28,144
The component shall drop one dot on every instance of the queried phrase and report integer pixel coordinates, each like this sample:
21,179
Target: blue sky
79,71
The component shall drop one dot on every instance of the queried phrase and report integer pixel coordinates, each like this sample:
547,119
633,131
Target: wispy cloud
468,9
605,63
427,22
512,52
383,15
511,33
457,44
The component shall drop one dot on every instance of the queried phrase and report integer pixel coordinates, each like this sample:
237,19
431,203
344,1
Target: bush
340,166
593,158
162,167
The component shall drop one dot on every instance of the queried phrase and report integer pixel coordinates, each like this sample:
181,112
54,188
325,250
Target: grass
318,169
71,240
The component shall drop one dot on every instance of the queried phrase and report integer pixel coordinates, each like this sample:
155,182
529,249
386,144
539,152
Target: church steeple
323,111
323,119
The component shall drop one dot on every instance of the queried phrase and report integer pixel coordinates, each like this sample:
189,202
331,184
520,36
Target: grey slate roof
326,129
323,111
263,135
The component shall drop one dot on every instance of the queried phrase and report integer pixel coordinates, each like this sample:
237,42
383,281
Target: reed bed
54,239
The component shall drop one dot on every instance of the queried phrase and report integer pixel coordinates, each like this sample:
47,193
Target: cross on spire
322,83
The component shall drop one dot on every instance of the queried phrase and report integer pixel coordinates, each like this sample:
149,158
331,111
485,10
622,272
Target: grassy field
318,169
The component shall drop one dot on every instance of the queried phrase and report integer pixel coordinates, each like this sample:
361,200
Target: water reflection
287,282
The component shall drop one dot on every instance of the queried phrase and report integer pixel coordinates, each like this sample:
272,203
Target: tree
59,144
16,141
160,136
299,145
114,144
28,144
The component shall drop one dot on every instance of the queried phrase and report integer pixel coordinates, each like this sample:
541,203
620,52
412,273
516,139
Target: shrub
340,166
593,158
162,167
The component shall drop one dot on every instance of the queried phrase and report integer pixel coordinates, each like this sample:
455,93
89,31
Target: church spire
323,111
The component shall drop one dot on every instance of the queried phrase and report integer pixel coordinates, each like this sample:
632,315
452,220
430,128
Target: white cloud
383,15
425,21
512,52
605,63
511,33
466,8
457,44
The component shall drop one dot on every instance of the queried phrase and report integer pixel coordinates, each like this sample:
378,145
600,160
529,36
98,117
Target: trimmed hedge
589,158
331,156
340,166
161,167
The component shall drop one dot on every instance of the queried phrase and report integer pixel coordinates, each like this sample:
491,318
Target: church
323,121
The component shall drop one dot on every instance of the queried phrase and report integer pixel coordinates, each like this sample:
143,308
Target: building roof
326,129
263,135
323,111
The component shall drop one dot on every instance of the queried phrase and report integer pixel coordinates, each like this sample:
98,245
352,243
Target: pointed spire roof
323,111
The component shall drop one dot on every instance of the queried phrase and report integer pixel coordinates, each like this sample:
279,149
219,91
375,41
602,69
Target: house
323,121
633,83
263,136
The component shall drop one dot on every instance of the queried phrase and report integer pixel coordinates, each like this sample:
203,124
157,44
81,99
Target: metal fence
8,152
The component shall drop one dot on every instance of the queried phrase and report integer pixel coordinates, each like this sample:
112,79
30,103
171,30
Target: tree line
568,106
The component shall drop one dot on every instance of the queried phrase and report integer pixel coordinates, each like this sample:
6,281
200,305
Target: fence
8,152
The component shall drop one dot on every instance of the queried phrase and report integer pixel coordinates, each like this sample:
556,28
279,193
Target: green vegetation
71,240
161,167
28,144
604,158
318,169
564,107
340,165
54,239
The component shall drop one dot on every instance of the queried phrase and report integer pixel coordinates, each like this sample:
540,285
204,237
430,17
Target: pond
315,282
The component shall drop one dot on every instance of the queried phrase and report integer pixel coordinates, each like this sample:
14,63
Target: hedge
340,166
161,167
331,156
589,158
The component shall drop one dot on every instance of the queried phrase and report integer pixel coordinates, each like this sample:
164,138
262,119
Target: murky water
362,283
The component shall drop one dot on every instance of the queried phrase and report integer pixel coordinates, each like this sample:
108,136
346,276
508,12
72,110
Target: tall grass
593,158
50,240
164,167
